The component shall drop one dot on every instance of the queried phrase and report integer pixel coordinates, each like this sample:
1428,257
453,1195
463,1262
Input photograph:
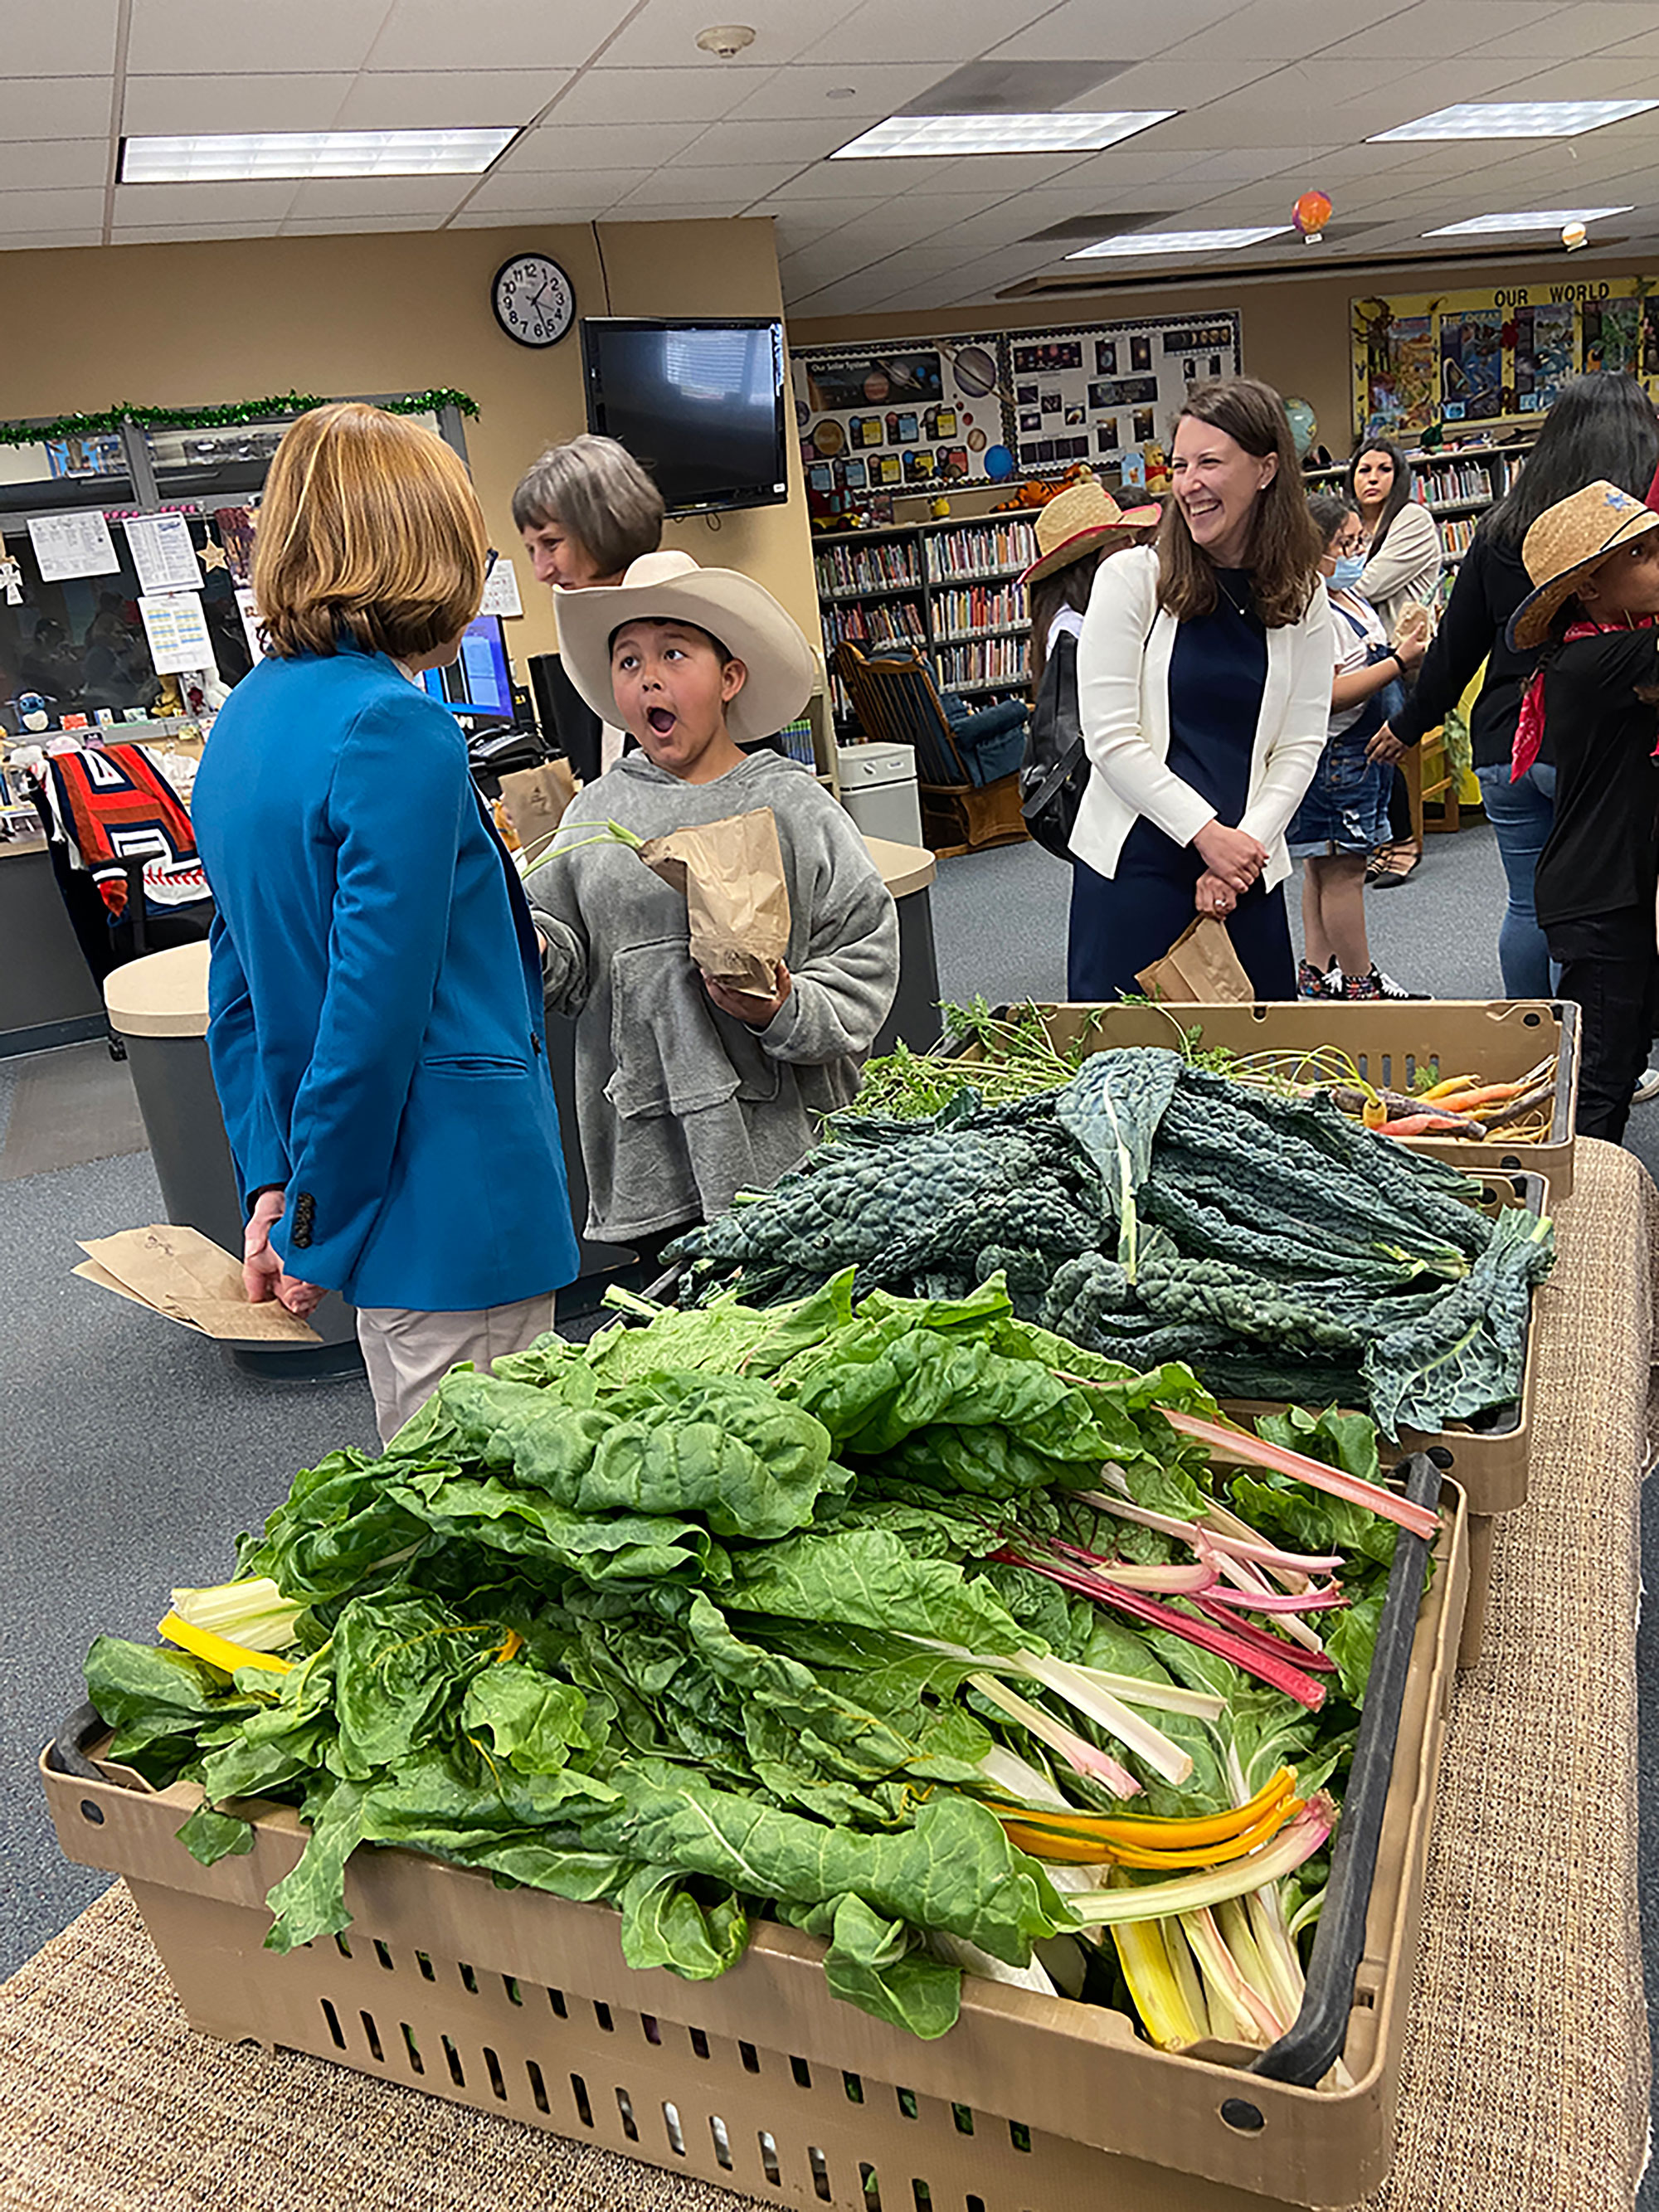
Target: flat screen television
699,404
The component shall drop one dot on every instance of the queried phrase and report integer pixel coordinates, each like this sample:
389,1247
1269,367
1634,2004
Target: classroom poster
918,415
1498,355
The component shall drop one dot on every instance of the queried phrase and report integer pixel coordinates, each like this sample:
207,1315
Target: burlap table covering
1525,2083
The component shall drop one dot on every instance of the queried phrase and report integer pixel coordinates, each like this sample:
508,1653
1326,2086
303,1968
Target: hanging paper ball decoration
1573,235
1310,214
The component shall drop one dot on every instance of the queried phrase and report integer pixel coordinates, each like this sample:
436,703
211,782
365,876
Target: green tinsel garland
212,418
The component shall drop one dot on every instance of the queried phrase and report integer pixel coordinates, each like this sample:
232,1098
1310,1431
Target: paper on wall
501,591
178,632
162,553
250,614
67,545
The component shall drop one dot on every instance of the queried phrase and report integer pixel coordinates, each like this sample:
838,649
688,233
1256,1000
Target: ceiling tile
1437,29
1562,33
793,144
863,180
435,99
36,108
231,37
559,148
642,98
802,92
1085,28
1607,77
704,187
667,33
473,217
549,196
349,226
49,211
188,233
150,206
506,34
366,198
73,41
165,105
32,241
879,31
674,211
56,164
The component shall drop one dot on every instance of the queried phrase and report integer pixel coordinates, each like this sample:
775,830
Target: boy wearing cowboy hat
1594,560
688,1092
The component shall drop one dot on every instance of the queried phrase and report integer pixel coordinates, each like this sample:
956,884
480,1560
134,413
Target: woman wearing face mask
1344,811
1403,565
1204,684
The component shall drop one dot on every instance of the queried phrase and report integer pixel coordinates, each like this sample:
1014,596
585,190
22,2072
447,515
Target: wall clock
534,300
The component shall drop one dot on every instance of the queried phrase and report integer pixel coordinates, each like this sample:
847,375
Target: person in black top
1601,426
1594,559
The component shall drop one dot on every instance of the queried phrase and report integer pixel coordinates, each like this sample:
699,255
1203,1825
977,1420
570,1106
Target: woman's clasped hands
1232,862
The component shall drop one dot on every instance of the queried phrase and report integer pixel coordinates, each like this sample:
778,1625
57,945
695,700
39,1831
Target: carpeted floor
134,1453
69,1107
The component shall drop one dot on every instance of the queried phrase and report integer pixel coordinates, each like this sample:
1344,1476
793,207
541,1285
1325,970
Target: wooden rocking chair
896,703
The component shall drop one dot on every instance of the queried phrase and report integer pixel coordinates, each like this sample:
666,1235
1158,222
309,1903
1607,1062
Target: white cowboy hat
672,587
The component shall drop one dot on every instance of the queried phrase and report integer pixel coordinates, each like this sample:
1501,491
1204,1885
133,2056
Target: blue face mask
1350,567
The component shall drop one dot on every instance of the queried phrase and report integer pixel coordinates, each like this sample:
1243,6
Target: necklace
1242,613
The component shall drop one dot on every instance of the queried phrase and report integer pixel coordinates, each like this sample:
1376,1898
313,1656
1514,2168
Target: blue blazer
375,994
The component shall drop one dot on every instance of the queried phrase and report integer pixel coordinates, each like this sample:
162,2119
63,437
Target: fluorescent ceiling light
1517,118
1536,219
203,160
945,135
1178,241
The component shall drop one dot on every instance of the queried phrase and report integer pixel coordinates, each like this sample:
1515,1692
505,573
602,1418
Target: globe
1304,424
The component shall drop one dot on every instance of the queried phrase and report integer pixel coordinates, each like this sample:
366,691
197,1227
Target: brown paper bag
1200,968
535,799
186,1278
731,874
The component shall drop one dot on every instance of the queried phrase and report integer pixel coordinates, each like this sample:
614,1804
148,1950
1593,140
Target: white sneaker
1393,990
1647,1087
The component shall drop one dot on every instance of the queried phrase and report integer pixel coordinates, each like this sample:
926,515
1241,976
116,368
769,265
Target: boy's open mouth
661,719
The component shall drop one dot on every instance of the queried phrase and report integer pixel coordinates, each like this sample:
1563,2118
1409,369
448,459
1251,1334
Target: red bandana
1529,730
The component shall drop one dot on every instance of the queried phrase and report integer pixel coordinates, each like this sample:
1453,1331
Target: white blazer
1123,695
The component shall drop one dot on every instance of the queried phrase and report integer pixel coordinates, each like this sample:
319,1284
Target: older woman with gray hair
586,510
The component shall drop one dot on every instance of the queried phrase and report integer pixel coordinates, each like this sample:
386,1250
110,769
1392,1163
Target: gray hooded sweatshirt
679,1105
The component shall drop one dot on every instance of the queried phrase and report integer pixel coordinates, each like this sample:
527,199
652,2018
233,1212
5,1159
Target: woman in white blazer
1204,681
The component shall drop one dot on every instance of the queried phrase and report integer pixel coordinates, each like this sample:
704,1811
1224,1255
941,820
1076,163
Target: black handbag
1055,770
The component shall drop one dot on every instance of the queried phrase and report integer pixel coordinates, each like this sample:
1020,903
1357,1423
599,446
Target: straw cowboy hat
1565,542
672,587
1076,521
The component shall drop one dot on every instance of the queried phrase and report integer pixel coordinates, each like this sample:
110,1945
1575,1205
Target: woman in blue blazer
376,997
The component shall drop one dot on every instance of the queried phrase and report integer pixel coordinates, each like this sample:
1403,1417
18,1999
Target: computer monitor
480,681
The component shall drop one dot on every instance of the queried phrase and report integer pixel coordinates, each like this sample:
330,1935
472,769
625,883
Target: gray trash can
159,1007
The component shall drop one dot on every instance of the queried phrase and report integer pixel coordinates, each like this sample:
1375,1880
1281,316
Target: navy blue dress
1120,924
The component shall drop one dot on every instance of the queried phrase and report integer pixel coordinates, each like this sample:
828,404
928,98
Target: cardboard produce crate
1499,1039
515,2003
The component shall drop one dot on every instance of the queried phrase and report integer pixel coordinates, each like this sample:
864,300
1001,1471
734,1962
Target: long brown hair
1282,556
1069,586
369,526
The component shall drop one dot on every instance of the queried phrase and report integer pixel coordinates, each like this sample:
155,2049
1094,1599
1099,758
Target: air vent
1082,229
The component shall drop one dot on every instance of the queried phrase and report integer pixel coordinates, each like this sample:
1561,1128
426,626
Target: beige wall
218,321
1296,332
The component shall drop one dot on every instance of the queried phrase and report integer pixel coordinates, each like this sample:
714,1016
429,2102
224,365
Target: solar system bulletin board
924,412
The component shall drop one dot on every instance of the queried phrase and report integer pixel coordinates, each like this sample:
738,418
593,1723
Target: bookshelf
946,586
